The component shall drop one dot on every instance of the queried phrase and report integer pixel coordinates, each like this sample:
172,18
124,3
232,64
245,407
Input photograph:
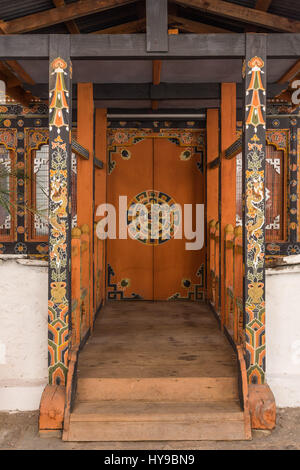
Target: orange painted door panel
165,167
178,172
129,262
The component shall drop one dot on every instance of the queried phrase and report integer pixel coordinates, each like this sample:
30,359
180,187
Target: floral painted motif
192,141
8,138
255,116
254,214
34,138
59,222
59,96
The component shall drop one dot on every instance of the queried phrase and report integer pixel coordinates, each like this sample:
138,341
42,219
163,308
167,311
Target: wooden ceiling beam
19,95
14,88
263,5
21,73
12,71
60,14
71,25
9,82
291,73
6,75
136,26
244,14
191,26
156,71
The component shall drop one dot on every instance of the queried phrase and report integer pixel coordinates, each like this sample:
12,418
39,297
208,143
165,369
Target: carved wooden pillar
254,155
60,123
100,186
85,176
212,182
228,177
261,399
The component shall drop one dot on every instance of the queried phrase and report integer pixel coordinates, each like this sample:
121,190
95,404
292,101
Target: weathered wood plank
133,46
241,13
33,46
191,26
124,28
71,25
157,25
163,91
180,46
263,5
59,15
283,45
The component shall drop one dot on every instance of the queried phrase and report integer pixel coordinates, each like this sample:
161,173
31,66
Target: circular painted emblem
153,217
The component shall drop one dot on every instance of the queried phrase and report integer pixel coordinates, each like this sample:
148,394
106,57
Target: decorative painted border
254,207
290,126
116,291
156,124
15,119
60,169
192,139
195,292
34,139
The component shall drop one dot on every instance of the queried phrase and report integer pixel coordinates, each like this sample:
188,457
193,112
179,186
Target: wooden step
186,389
153,421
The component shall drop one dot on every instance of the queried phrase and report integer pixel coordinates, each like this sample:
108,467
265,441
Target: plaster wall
283,332
23,333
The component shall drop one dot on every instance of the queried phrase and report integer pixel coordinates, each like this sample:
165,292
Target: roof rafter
244,14
12,73
290,73
71,25
156,72
60,14
191,26
21,73
263,5
135,26
13,86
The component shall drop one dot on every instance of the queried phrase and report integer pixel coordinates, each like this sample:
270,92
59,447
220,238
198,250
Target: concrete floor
20,431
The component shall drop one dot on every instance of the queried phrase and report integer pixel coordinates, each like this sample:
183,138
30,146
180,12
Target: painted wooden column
212,184
212,152
85,174
254,155
228,176
100,179
60,121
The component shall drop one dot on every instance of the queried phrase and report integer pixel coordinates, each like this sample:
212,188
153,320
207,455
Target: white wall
283,332
23,332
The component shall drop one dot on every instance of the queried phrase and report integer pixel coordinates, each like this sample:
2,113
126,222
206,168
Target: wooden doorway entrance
165,167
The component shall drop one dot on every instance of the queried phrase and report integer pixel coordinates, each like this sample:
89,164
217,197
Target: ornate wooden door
178,172
129,262
165,167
